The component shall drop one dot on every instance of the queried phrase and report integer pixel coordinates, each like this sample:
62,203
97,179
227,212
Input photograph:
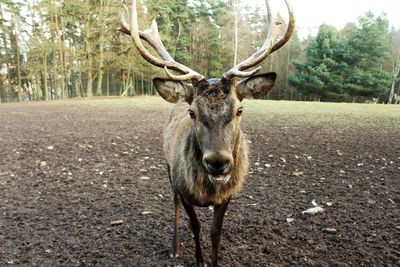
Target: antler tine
152,37
270,45
290,29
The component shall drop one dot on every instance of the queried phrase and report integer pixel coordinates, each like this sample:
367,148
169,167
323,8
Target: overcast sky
312,13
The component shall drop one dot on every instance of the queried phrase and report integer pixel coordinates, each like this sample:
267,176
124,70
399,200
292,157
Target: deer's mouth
219,179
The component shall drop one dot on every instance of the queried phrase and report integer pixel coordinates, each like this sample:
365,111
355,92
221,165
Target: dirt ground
70,170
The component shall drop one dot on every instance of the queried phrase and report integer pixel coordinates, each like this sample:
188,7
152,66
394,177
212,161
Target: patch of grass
282,112
325,113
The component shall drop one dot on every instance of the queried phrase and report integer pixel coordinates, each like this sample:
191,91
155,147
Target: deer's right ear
173,91
256,87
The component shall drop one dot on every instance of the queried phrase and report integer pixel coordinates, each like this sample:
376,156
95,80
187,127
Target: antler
270,45
152,37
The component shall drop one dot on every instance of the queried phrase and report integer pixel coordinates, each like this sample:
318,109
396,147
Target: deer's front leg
195,224
216,231
175,238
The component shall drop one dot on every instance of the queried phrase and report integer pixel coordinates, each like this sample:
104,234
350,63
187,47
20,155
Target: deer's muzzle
218,166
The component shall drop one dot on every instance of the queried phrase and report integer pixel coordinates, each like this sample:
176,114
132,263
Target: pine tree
367,51
320,76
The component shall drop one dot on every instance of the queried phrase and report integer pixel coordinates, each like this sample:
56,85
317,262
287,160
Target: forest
65,49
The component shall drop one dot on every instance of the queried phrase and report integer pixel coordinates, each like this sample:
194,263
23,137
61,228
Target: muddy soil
69,171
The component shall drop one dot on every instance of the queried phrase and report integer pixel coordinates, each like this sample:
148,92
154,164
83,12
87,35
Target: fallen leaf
330,230
147,212
313,211
296,174
42,164
289,220
118,222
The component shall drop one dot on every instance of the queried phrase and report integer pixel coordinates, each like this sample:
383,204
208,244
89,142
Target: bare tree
396,67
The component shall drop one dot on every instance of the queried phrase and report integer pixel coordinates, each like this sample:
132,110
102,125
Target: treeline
59,49
358,63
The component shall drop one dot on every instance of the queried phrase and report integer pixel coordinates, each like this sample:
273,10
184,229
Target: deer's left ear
256,87
174,91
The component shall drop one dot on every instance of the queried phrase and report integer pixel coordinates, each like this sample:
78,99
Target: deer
396,99
206,151
373,100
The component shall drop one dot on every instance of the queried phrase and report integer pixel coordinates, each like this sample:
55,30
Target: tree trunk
396,72
60,42
108,83
74,62
44,54
177,38
99,90
236,43
287,73
45,75
37,85
142,84
104,4
18,57
65,58
89,57
54,74
8,88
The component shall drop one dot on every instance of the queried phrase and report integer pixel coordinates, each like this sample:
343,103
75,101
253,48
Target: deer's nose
217,163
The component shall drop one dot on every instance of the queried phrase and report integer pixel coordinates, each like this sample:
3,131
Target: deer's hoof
173,255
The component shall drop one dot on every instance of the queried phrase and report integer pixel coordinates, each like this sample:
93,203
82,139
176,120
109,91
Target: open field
69,169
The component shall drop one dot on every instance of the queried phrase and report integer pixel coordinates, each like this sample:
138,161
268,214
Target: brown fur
202,129
396,99
188,175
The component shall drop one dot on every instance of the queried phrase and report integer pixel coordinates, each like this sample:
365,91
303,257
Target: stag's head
215,104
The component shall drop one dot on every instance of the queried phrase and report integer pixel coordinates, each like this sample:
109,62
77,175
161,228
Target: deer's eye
192,115
239,112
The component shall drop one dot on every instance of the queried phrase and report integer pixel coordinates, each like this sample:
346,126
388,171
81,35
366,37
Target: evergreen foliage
349,64
57,49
